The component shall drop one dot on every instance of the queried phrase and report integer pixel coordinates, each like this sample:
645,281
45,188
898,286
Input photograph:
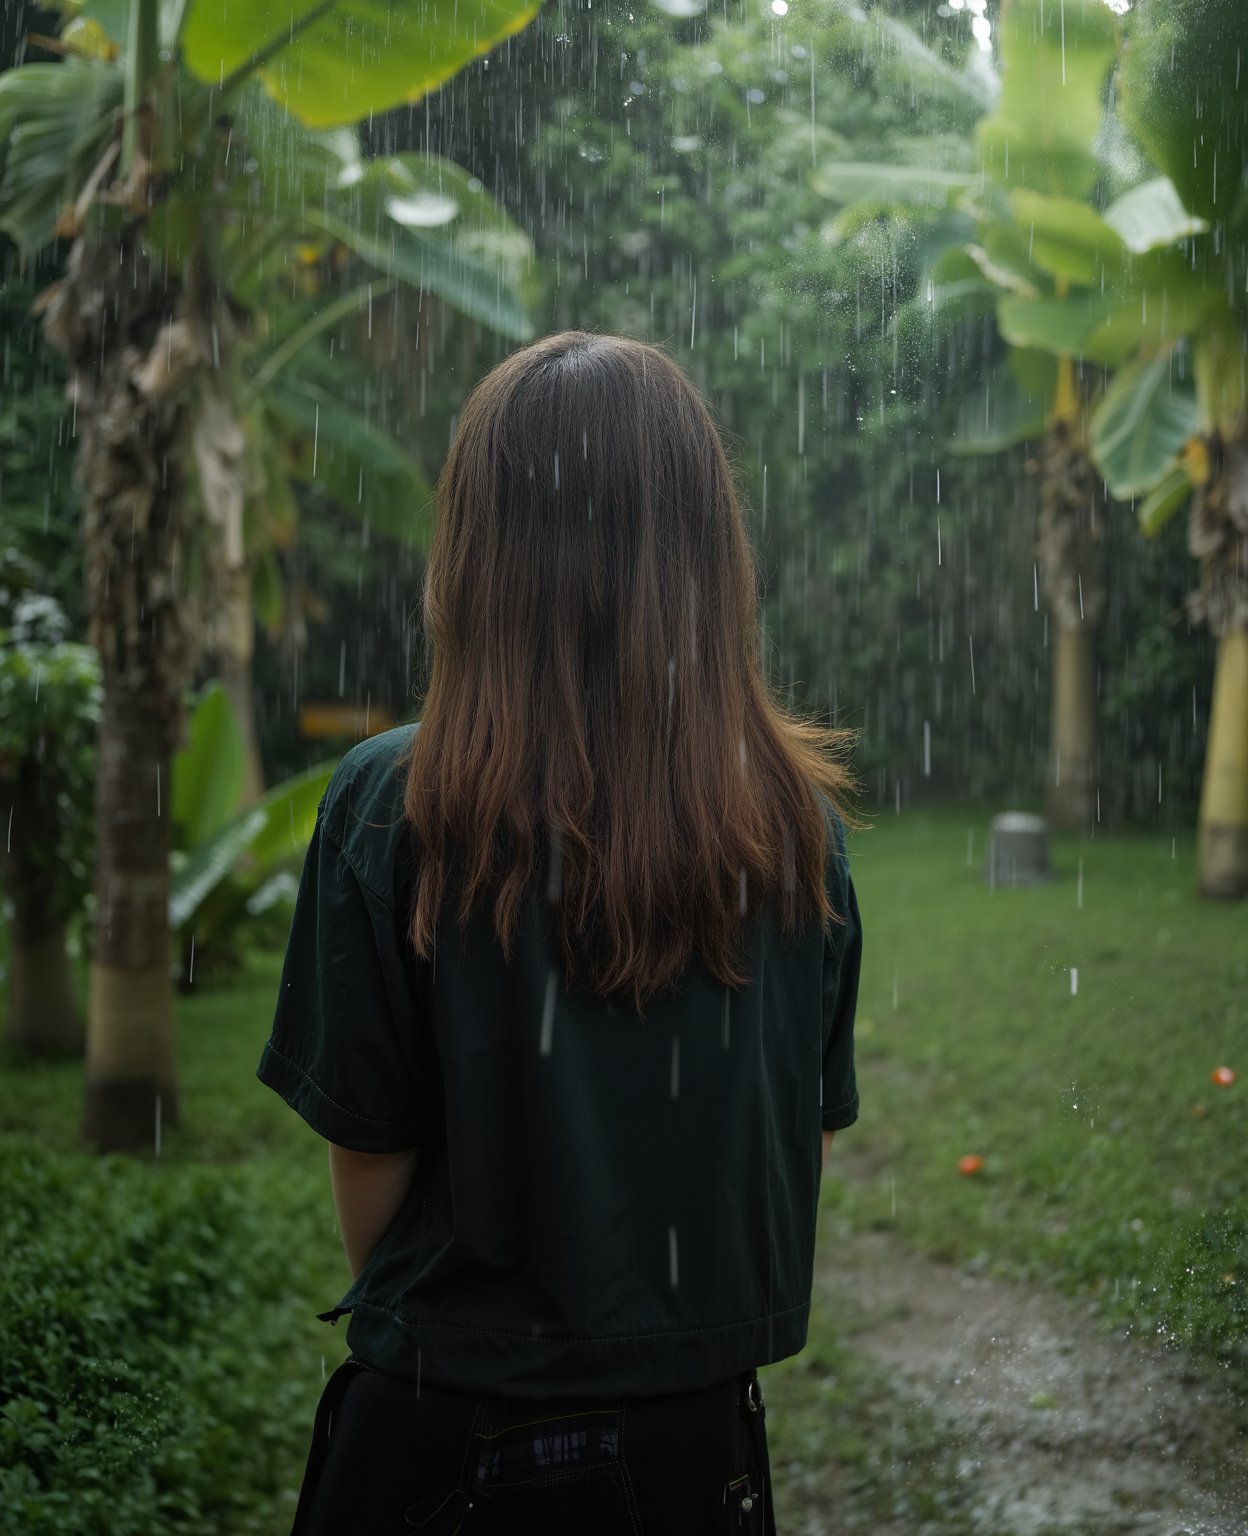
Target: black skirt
391,1456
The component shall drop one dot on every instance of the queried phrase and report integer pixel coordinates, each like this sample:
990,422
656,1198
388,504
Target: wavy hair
597,717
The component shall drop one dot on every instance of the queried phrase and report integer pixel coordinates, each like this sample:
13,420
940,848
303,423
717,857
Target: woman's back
603,1203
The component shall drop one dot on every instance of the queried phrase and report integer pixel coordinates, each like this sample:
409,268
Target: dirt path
1061,1428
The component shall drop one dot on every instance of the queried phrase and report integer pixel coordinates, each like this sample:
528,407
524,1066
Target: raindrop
548,1012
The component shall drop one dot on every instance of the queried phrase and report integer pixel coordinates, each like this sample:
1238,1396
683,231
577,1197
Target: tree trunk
1217,535
131,1076
1069,531
43,1016
137,360
1223,867
1070,792
236,678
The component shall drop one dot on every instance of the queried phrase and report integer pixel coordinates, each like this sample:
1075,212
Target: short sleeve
842,961
337,1050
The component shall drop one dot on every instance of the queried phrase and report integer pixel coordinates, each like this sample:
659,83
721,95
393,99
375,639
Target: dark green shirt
602,1205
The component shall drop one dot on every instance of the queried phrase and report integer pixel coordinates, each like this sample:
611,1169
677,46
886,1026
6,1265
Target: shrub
148,1317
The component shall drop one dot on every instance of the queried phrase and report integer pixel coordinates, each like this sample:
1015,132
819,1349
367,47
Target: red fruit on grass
1223,1076
971,1163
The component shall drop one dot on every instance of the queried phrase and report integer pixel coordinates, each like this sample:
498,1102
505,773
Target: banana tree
1173,427
188,151
1021,197
226,852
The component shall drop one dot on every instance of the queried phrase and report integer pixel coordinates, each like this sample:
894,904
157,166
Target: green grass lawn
1067,1034
1113,1166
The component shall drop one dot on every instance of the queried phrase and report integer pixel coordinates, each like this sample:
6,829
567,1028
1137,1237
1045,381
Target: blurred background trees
943,326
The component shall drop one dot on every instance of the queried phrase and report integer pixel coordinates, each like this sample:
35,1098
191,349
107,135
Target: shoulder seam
349,783
355,870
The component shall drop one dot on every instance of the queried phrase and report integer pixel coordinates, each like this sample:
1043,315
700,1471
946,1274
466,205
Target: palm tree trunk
1223,866
1070,794
1069,531
237,659
131,1077
1218,537
236,679
136,363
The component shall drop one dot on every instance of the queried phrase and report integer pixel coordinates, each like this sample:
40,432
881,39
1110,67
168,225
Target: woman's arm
368,1190
827,1145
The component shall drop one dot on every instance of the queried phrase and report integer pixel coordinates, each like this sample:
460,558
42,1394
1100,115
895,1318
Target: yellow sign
327,722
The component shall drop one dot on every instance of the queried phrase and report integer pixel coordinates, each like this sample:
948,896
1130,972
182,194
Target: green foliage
1043,130
226,861
37,492
208,770
1017,399
1150,216
265,209
133,1399
50,697
415,218
55,121
685,214
353,59
1185,97
1142,424
1168,496
1186,104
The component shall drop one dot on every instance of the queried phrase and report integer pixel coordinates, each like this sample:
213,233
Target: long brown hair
597,713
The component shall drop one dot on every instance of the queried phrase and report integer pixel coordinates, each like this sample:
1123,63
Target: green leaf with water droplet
336,62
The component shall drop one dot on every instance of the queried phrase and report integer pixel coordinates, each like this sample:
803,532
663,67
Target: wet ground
1059,1427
